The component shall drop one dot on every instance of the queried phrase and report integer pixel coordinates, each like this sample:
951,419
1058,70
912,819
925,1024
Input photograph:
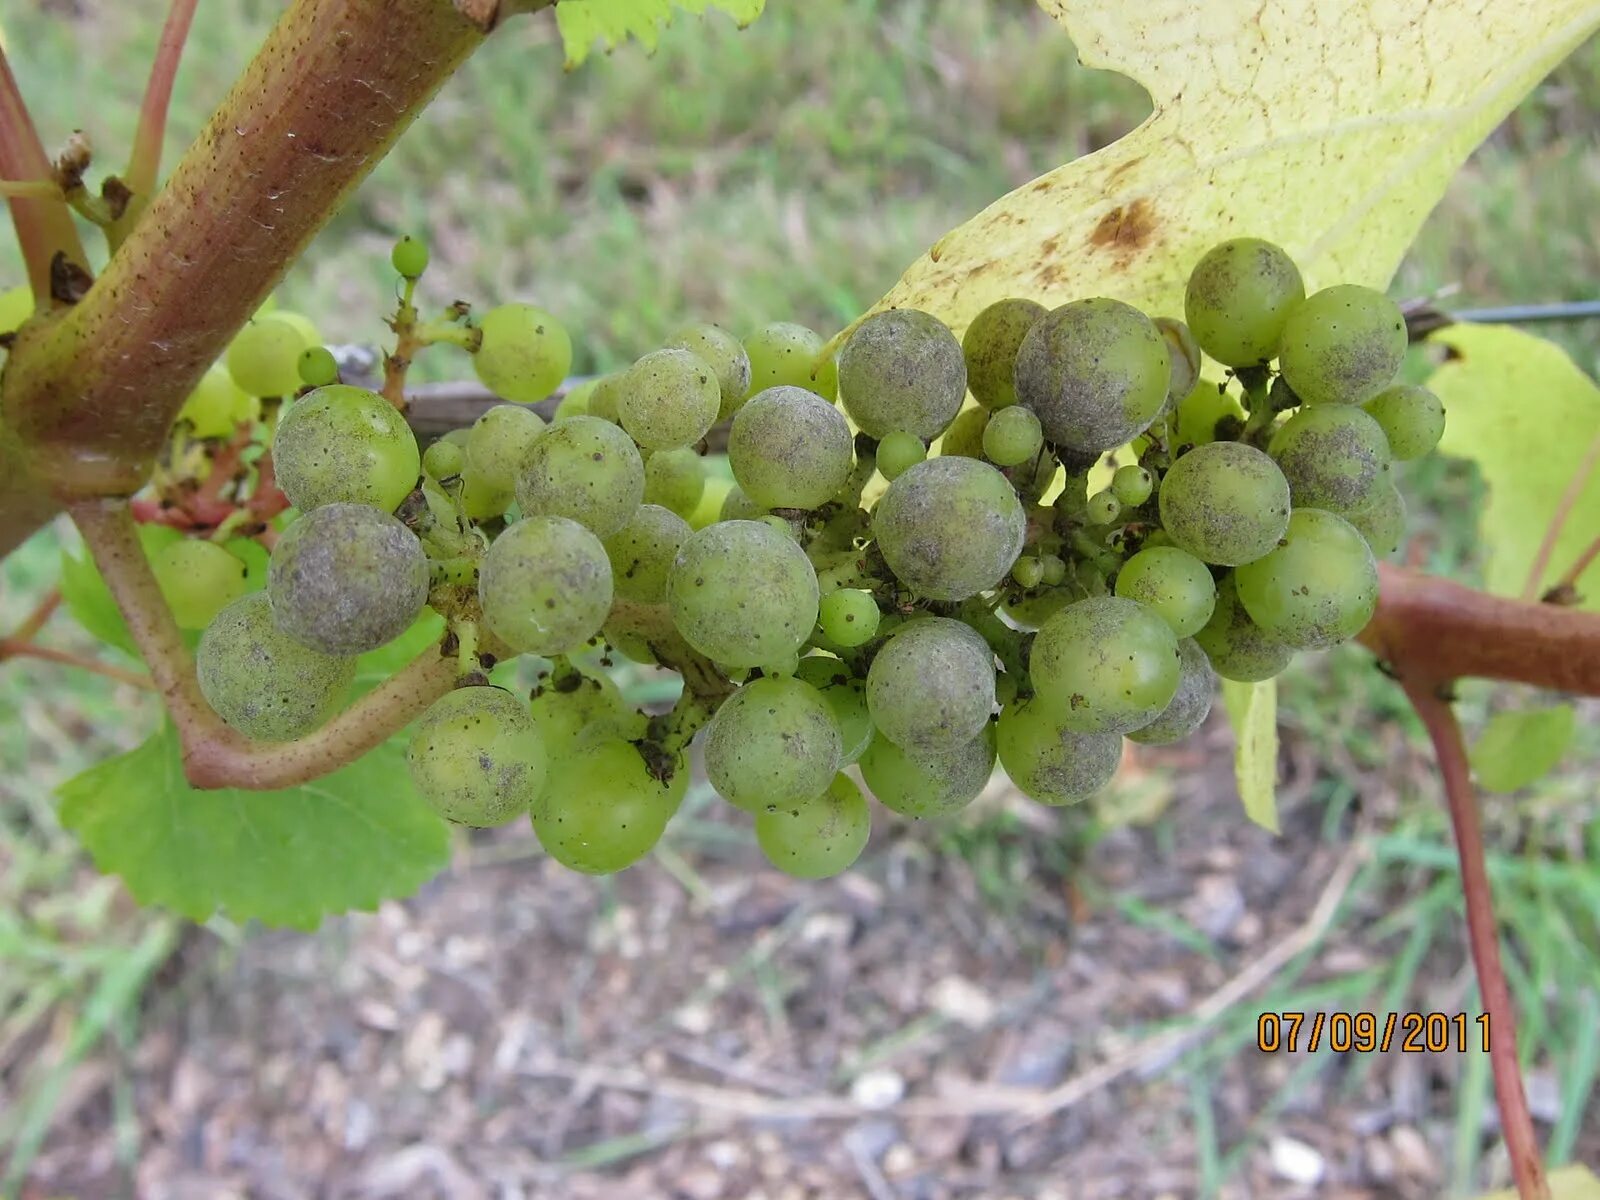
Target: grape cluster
1025,546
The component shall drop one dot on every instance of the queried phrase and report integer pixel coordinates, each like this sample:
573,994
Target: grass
790,171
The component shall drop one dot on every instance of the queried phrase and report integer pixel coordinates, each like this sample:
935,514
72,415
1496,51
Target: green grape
458,437
783,668
318,367
409,257
1105,665
720,351
667,399
641,552
605,397
346,578
1333,455
1191,703
742,593
1238,648
1225,503
916,784
964,438
476,757
949,527
1383,521
574,709
603,810
498,447
789,448
784,525
263,682
585,469
712,497
1208,415
1103,508
545,585
782,353
1319,588
990,348
443,460
524,354
902,371
1174,583
736,506
848,617
1049,762
345,445
1012,436
931,685
898,453
1411,417
1054,568
817,837
1096,372
218,406
264,356
675,479
1132,485
1184,353
1239,296
16,306
846,696
773,742
576,401
198,579
308,329
1342,345
1028,572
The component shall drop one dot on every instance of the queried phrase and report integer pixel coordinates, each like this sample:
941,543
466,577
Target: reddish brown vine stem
215,755
1438,630
1516,1123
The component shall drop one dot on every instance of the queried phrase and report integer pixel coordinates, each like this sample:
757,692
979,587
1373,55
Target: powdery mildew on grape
346,578
902,370
789,448
1191,703
1335,457
949,527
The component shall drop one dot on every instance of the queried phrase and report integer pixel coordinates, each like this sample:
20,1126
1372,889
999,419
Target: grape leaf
1520,747
1524,412
612,22
1330,128
345,841
1253,713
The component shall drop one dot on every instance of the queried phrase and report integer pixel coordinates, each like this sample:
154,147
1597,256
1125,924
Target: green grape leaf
1523,411
346,841
1566,1183
1253,712
1521,747
1331,129
612,22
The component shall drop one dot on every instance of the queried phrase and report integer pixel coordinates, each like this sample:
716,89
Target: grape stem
1430,700
144,161
215,755
1439,629
43,222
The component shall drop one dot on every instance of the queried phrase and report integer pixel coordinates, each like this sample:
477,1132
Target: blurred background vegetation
789,171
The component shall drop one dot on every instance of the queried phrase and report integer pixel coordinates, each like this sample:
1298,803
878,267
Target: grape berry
1010,596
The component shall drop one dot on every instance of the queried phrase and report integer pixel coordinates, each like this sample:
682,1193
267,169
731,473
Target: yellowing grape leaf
612,22
1524,412
1328,126
1253,712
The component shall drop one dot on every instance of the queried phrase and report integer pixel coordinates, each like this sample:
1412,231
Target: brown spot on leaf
1126,229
